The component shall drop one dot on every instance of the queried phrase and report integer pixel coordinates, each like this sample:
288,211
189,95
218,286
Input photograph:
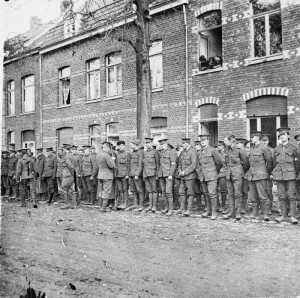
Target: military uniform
4,174
60,164
12,182
49,172
176,184
222,182
40,183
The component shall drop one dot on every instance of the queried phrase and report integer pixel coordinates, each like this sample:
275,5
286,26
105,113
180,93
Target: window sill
62,107
158,89
113,97
93,100
27,113
252,61
198,72
11,116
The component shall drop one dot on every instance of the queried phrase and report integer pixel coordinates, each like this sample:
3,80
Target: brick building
217,66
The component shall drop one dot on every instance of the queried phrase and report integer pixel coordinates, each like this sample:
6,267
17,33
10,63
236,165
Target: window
65,136
156,64
266,24
11,110
64,86
210,40
112,131
28,140
11,140
158,128
72,26
114,74
93,79
95,136
28,102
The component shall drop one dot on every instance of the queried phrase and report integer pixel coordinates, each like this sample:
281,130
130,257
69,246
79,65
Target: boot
125,199
182,205
208,208
214,208
283,212
14,192
122,206
266,209
223,204
293,212
67,204
74,201
239,210
164,199
93,197
189,206
254,214
155,199
104,207
270,206
244,204
231,209
150,202
23,203
170,201
135,204
141,202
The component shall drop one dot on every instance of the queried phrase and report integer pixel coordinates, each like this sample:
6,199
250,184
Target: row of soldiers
180,174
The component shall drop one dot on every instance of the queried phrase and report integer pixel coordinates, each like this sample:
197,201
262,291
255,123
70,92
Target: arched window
11,140
65,135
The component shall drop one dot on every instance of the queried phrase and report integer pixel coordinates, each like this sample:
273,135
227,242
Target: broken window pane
260,6
275,33
259,37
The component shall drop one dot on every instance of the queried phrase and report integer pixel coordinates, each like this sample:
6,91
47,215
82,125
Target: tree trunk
143,74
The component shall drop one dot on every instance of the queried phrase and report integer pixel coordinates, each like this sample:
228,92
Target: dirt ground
129,254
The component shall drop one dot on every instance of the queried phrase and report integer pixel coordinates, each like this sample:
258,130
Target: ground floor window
95,136
28,140
112,132
65,136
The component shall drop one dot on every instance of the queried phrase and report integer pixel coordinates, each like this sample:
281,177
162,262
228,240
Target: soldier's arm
157,161
127,164
19,170
296,161
173,159
140,165
245,160
269,160
110,163
218,160
96,168
193,165
70,166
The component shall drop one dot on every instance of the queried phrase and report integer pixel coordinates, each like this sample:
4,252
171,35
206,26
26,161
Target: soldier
77,171
286,169
177,177
12,167
187,171
24,174
297,138
265,139
49,172
19,156
39,181
237,165
122,173
105,174
82,194
88,167
166,173
222,177
197,181
68,179
4,173
93,154
59,168
208,168
150,173
260,168
135,176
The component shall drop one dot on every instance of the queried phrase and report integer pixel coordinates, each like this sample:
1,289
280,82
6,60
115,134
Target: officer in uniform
150,173
4,172
177,177
77,170
261,166
39,168
105,174
82,194
297,138
24,174
208,168
12,167
166,173
197,144
59,168
222,177
286,169
187,172
93,154
49,172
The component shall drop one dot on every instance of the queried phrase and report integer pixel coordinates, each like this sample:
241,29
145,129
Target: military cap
170,146
240,140
197,142
164,140
74,147
136,142
12,151
106,142
40,149
5,152
67,146
80,149
86,146
186,140
49,149
19,150
93,147
282,130
297,137
265,136
255,133
148,139
120,143
204,136
24,150
60,148
221,143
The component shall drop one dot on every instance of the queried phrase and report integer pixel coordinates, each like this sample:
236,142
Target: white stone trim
265,91
209,7
207,100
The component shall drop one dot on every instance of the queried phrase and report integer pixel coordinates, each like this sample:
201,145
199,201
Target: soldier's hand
92,178
113,158
271,177
136,177
126,177
170,177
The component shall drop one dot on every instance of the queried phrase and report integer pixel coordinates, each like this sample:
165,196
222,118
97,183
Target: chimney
35,23
64,6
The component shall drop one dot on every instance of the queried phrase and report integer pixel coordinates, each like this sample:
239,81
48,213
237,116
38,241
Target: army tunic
4,172
87,166
49,172
135,172
222,176
67,175
12,168
39,167
122,170
150,170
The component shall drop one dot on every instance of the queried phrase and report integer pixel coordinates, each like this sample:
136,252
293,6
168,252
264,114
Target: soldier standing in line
105,175
24,174
88,166
286,169
39,168
93,154
297,138
265,141
19,156
135,177
122,174
150,173
166,172
237,164
82,195
12,167
197,181
222,177
177,178
261,165
4,173
59,169
208,168
187,171
77,170
49,172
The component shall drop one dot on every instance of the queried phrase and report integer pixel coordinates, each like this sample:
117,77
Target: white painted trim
258,124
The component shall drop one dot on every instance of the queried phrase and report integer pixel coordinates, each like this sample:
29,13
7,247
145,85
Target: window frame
94,136
60,88
11,139
116,67
88,74
11,91
112,137
24,87
152,57
266,16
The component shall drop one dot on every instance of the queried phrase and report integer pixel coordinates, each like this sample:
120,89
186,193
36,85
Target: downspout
41,101
186,73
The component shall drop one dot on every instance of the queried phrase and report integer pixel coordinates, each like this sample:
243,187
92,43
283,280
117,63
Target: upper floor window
267,28
72,26
11,140
114,74
156,64
64,86
210,40
93,79
28,100
11,108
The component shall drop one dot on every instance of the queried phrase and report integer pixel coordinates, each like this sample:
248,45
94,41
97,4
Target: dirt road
128,254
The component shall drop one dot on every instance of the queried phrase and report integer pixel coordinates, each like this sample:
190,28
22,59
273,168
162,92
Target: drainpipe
186,73
41,101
